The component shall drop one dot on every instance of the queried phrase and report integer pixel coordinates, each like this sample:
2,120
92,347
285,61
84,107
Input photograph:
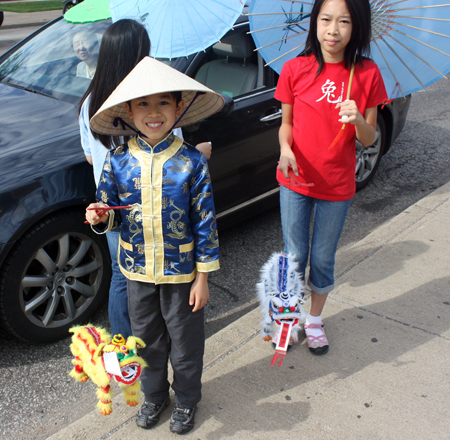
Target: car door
245,141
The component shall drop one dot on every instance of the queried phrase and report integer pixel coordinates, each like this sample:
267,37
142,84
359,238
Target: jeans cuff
320,290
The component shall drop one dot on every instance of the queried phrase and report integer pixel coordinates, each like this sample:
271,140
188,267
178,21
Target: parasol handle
349,89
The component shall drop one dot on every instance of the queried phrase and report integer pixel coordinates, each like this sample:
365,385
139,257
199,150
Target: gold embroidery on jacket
182,164
197,201
178,227
119,150
133,162
213,236
170,265
104,196
129,262
133,218
141,270
137,183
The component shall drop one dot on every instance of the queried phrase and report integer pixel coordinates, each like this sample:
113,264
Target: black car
54,271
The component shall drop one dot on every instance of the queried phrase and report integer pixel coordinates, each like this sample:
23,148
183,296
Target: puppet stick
349,89
107,208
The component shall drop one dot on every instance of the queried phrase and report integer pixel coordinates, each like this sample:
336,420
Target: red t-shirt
331,173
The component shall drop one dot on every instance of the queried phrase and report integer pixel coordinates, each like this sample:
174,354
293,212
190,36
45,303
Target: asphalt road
37,397
9,37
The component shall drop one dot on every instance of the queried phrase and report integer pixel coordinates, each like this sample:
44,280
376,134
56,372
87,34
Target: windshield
60,61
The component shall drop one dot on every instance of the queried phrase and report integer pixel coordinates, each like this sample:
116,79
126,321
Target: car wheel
368,159
56,276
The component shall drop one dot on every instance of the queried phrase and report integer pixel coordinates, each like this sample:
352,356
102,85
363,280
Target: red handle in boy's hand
103,209
107,208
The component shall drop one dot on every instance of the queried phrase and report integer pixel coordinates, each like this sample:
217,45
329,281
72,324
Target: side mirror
226,109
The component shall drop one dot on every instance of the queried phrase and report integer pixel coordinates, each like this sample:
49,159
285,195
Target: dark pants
162,317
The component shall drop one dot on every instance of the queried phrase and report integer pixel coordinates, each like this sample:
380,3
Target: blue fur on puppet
280,293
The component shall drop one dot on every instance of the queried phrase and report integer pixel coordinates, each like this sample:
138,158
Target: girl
311,88
123,45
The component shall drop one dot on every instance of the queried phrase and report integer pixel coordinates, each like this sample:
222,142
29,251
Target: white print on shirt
328,90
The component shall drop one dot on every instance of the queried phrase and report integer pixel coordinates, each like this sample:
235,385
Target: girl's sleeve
378,93
203,220
85,129
107,192
284,92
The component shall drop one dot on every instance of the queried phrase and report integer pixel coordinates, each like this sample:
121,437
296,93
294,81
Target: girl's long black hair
358,48
123,45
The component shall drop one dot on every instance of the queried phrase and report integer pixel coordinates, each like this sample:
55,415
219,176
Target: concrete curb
15,26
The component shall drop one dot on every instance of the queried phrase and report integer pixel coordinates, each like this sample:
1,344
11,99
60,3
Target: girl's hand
287,161
349,113
199,291
205,148
93,218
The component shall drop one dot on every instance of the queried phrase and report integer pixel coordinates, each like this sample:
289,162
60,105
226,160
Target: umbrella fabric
410,38
88,11
178,28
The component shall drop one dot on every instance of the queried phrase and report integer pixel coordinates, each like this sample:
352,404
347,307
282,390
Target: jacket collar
159,147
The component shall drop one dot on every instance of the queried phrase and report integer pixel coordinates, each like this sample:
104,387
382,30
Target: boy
168,240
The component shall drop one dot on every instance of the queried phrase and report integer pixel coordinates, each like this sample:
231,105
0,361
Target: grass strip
22,7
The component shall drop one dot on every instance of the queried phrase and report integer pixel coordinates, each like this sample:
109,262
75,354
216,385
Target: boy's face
154,115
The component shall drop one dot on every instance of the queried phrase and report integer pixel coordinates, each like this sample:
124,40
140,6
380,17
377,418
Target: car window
232,67
60,61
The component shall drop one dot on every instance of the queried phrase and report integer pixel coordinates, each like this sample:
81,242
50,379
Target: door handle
272,117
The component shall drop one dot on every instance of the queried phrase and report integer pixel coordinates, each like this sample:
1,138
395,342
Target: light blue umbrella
410,38
178,28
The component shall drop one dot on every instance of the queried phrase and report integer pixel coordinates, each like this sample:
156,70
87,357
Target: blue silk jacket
170,232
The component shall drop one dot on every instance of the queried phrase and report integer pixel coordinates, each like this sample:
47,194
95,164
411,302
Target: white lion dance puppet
281,293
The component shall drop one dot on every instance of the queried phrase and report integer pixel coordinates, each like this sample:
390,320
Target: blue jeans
329,219
118,298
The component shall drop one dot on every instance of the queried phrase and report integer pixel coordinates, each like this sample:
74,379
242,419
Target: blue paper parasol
410,38
178,28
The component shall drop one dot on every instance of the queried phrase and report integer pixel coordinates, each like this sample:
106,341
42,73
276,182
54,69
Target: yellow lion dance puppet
102,359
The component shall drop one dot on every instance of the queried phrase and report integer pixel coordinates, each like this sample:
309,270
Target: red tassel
336,139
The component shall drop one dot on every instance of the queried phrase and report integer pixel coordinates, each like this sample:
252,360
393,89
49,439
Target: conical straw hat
148,78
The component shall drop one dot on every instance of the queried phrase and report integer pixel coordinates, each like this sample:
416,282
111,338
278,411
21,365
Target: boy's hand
199,291
93,218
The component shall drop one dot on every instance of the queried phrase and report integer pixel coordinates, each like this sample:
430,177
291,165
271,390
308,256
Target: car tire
368,159
56,276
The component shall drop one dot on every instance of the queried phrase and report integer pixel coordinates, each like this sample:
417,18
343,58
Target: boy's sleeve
203,220
107,193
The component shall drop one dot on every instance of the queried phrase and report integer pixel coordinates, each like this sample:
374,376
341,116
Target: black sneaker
182,419
148,415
